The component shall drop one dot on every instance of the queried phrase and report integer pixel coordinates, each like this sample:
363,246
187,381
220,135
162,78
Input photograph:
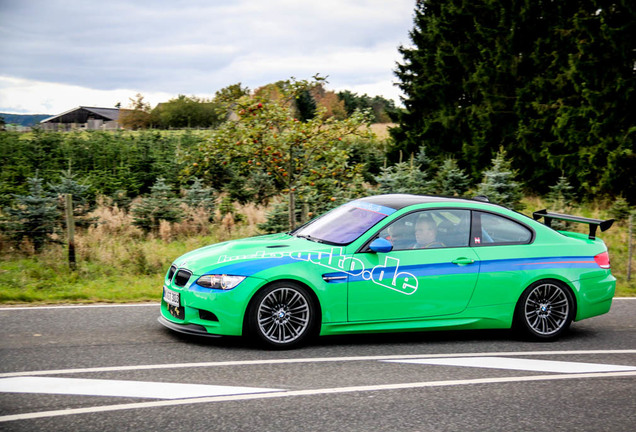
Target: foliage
561,199
298,156
553,83
383,110
253,186
422,159
329,101
198,196
278,219
561,196
499,183
403,177
369,154
82,203
230,94
122,163
450,180
620,210
138,114
305,106
161,204
34,216
68,184
187,112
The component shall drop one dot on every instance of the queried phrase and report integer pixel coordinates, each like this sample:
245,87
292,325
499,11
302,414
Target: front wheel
282,315
545,310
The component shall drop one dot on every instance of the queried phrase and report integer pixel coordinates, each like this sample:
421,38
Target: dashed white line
120,388
309,360
312,392
533,365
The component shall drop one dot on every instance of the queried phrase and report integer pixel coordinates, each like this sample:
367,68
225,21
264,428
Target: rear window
500,230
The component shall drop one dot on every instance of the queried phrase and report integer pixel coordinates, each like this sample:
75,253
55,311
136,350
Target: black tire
545,310
282,315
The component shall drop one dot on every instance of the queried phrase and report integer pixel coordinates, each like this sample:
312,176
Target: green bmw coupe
391,263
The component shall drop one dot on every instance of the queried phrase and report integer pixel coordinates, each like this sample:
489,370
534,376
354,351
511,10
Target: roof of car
399,201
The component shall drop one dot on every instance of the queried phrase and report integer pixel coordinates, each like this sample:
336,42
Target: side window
429,229
499,230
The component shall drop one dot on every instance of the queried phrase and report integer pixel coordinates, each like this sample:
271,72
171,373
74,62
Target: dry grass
381,130
118,262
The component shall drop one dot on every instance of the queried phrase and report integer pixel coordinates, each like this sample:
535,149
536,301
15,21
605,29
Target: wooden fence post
630,247
70,227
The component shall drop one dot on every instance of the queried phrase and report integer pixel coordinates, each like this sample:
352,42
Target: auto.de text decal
387,275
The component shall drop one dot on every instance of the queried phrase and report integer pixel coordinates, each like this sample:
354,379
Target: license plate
171,297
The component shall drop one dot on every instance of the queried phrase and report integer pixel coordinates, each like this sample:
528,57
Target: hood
231,257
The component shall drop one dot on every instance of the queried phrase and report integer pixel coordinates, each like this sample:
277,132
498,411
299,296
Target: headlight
224,282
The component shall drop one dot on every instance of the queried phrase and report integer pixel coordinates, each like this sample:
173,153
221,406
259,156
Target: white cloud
26,96
168,47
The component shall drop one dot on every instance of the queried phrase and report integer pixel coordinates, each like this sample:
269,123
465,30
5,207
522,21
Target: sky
59,54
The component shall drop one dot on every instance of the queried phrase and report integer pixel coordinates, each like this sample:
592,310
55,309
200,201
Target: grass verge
117,264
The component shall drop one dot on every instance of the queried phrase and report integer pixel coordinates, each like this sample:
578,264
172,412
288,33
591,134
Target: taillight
603,260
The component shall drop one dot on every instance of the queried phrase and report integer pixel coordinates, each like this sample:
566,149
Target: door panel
412,284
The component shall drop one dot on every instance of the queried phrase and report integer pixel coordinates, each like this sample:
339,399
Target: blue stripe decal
255,265
521,264
249,268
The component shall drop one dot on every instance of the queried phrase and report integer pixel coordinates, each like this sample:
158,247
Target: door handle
463,261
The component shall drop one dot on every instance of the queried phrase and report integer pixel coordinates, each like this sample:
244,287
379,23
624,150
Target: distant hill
23,119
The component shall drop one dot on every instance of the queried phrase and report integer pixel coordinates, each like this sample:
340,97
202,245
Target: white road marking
309,360
520,364
311,392
78,306
119,388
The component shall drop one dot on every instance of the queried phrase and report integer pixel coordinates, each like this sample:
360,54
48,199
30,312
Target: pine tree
403,177
34,216
198,196
621,210
306,106
499,184
68,184
278,219
561,196
422,159
161,204
450,180
551,81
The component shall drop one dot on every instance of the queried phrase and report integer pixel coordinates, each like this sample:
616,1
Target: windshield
345,223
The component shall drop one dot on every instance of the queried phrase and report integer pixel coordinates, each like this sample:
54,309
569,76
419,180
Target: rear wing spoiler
593,223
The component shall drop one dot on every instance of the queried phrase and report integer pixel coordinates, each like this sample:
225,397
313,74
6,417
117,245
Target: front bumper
208,312
190,329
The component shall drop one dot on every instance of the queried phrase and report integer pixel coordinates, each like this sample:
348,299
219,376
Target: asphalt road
117,369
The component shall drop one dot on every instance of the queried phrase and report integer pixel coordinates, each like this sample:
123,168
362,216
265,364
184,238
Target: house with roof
89,118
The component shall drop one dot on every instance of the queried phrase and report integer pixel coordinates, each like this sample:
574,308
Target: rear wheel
545,310
282,315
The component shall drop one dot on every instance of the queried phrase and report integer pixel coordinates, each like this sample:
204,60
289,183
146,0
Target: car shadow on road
487,339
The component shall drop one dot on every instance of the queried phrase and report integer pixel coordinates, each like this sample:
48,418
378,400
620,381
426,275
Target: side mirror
381,245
